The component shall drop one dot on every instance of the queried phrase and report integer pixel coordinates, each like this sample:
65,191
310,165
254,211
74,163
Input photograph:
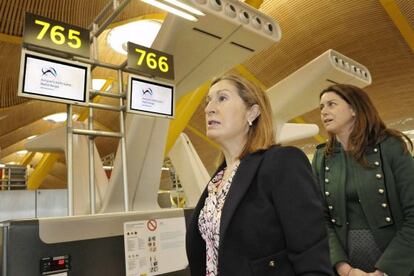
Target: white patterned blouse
209,218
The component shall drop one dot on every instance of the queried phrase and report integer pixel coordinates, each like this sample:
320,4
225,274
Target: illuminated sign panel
150,97
52,34
49,78
150,61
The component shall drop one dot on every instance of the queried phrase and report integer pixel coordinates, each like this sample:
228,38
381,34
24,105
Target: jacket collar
337,147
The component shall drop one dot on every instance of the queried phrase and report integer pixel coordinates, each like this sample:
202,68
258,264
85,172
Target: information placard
52,34
150,97
150,61
54,79
155,246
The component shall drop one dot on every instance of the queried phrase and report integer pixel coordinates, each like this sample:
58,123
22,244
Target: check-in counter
93,244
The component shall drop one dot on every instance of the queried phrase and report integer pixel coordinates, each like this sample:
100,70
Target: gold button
384,205
326,180
327,193
330,207
376,163
375,150
381,191
378,176
388,219
272,263
326,168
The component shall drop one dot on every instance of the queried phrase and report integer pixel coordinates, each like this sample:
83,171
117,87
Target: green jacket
386,193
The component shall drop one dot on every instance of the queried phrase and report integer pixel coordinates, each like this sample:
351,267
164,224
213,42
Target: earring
250,123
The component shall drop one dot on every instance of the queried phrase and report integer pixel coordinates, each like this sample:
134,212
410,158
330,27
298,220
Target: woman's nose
209,108
323,111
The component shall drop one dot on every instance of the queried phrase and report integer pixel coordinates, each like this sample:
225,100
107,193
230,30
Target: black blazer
272,221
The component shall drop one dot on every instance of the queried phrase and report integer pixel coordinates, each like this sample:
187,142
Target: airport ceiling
360,29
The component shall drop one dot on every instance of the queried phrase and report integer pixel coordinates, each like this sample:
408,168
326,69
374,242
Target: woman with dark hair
366,173
260,214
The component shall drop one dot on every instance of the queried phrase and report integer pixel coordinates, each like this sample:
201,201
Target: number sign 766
151,60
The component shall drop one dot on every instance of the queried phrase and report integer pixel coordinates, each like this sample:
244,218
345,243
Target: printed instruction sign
154,246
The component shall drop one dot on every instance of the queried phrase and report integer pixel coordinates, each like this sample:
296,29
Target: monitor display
150,97
55,79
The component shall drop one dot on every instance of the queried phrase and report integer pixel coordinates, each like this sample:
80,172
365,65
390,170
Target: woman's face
226,114
336,114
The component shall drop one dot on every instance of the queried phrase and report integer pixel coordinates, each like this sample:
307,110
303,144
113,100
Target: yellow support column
185,109
203,136
254,3
42,170
27,158
394,12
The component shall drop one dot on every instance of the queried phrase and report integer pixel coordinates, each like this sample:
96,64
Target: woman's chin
330,130
213,136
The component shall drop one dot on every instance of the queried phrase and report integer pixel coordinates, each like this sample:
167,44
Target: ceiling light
59,117
171,9
185,7
21,152
31,137
142,32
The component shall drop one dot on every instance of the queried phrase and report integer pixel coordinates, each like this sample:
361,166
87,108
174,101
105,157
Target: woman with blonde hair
260,213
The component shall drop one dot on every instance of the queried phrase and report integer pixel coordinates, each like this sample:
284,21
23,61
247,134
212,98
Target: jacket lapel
240,183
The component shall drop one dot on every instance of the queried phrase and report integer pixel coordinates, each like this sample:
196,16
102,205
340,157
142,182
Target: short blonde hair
261,134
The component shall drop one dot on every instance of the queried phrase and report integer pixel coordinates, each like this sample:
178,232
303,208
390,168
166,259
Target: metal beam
45,165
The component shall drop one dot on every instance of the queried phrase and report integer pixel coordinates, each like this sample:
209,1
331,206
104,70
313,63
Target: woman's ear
353,113
253,113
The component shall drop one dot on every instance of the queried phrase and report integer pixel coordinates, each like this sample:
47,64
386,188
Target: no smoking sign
152,225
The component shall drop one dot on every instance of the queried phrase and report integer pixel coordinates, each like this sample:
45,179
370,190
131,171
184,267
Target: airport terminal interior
113,165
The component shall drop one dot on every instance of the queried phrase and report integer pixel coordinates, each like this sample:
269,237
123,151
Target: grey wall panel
17,204
51,203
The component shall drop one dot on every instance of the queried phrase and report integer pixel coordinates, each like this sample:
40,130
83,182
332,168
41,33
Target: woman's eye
222,98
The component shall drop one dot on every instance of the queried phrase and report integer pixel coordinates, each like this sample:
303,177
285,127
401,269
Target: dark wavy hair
369,129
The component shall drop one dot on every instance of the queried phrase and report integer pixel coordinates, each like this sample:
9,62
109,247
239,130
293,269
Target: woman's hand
344,269
358,272
376,273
